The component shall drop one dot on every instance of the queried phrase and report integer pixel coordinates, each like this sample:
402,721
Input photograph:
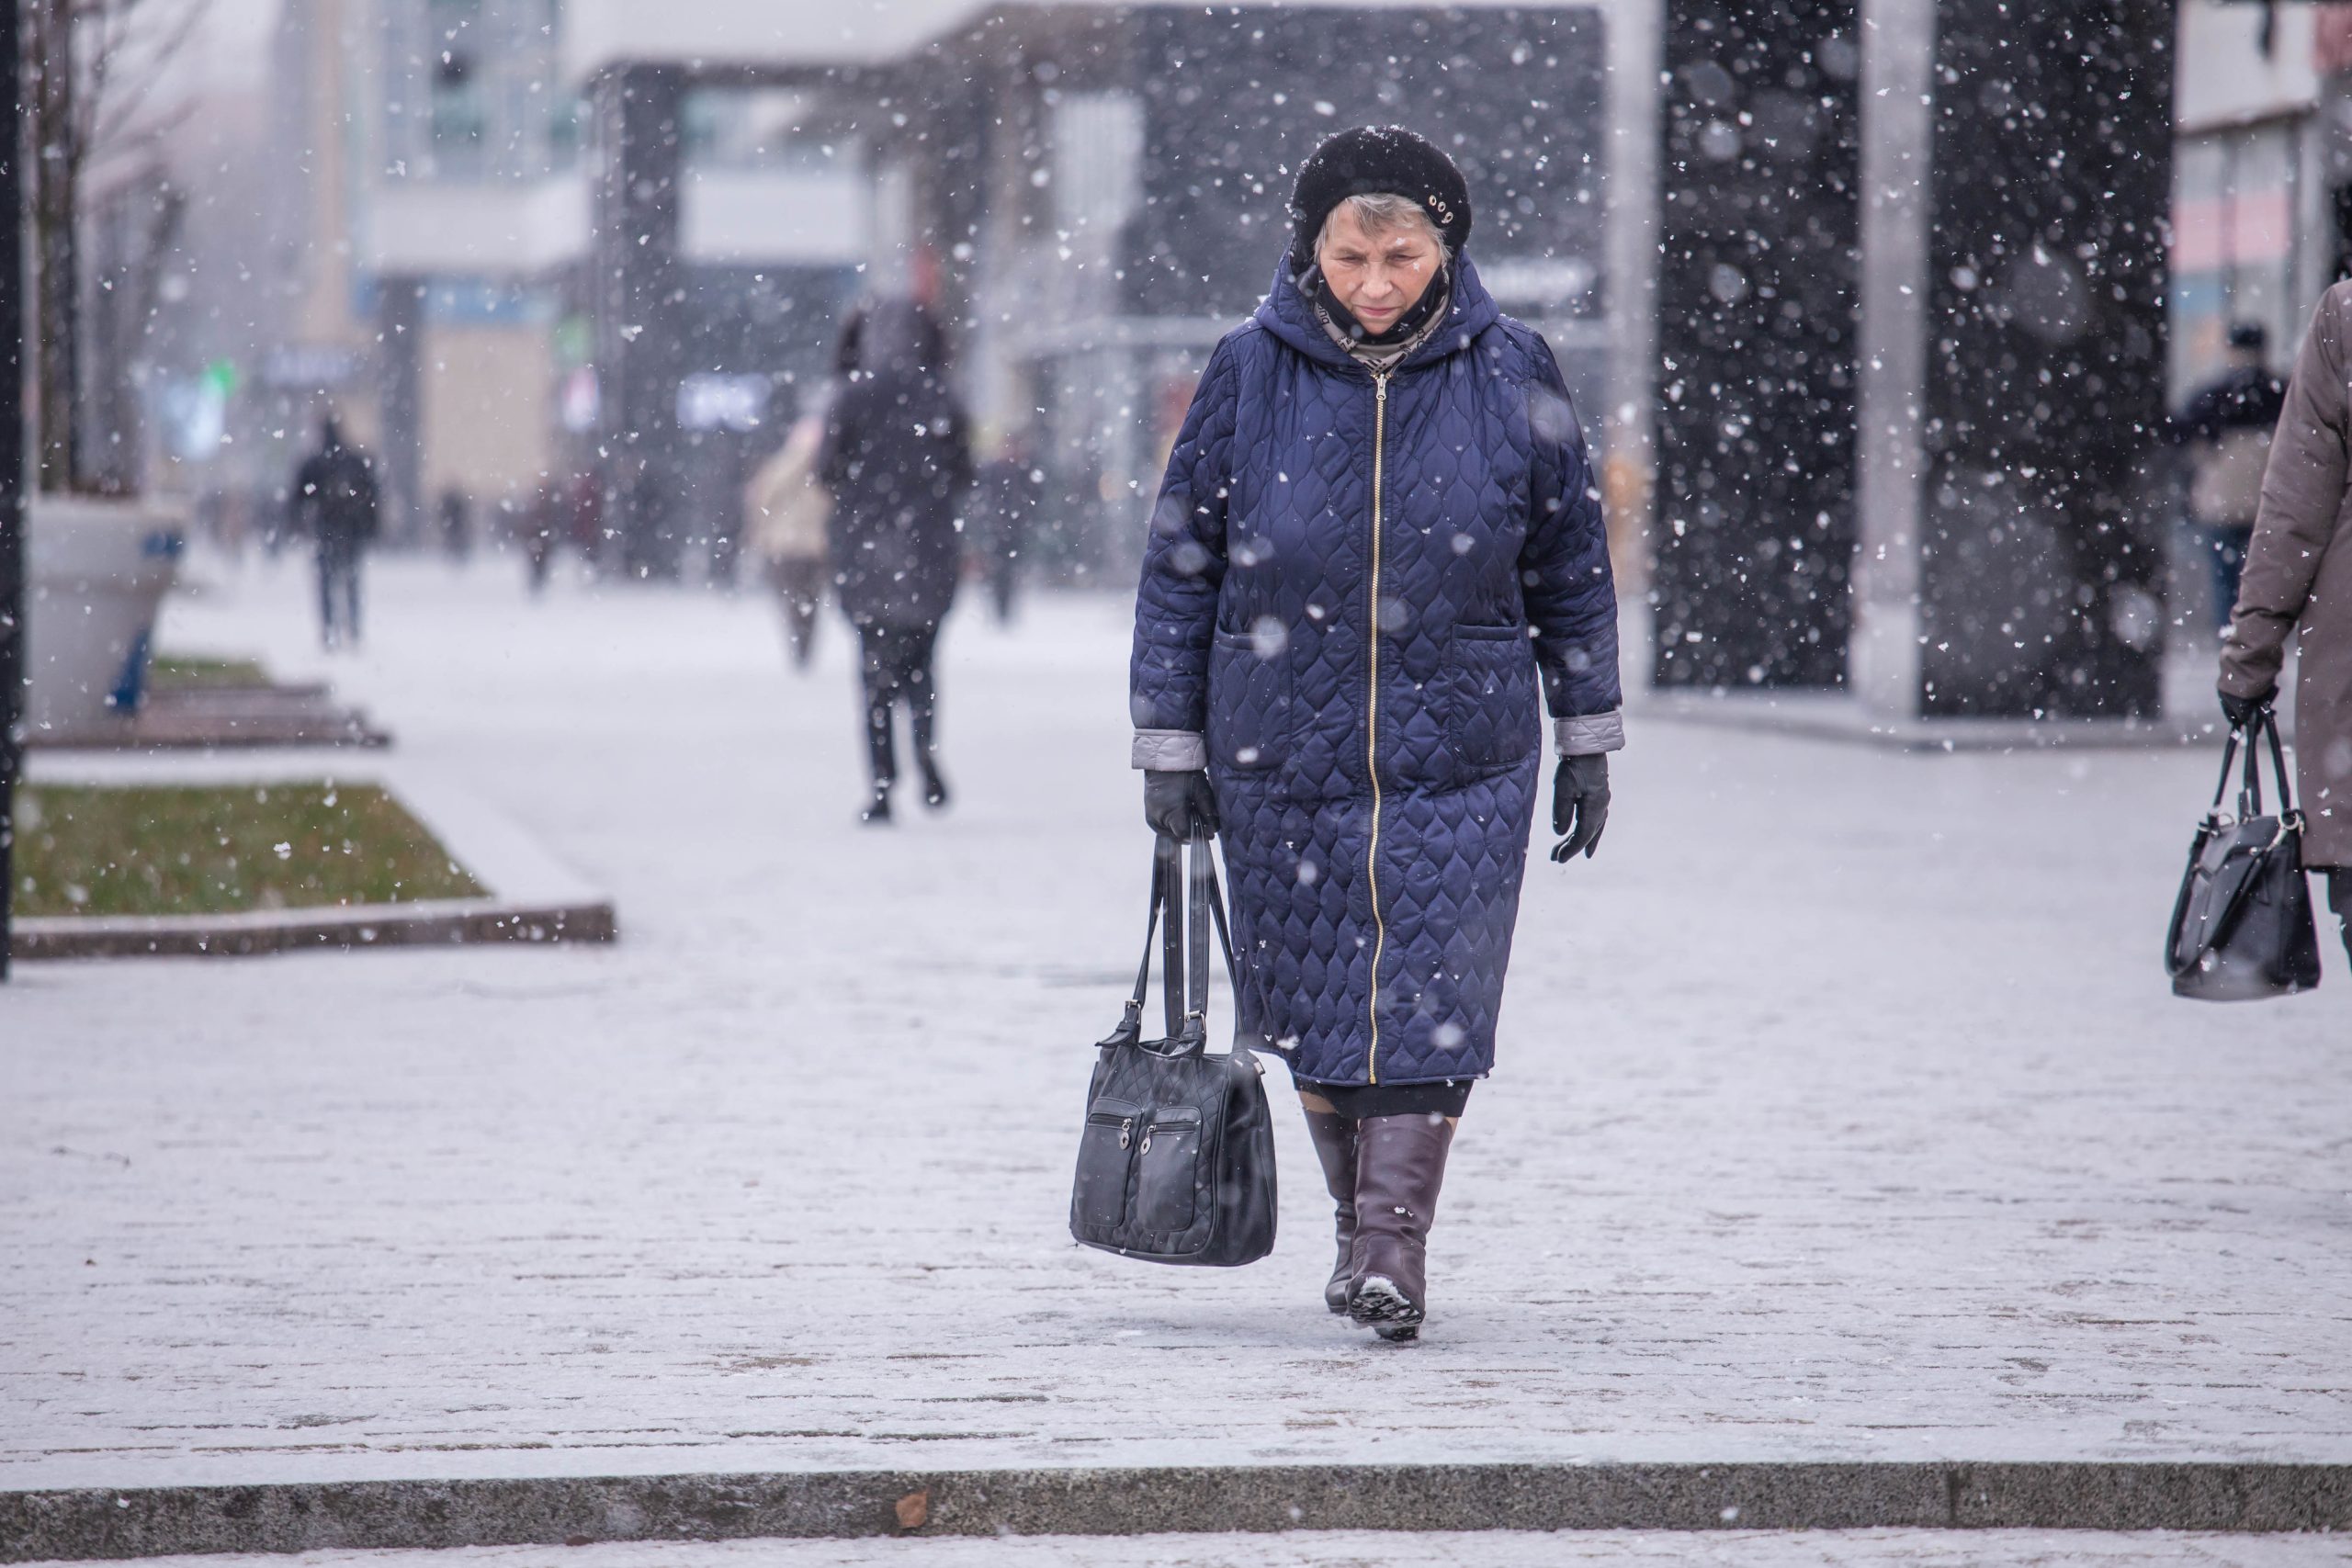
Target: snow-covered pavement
1842,1112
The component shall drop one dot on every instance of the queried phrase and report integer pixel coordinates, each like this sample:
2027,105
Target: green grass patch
101,850
181,672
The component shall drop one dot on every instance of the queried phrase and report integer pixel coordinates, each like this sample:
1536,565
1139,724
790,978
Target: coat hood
1290,316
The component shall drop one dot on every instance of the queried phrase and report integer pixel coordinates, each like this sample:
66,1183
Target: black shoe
935,788
1400,1165
877,811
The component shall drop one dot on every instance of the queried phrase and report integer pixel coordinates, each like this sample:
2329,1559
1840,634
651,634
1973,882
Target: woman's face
1378,275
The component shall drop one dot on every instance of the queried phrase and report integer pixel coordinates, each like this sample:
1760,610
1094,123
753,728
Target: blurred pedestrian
456,526
542,529
1006,508
583,510
2298,584
897,462
784,517
333,501
1378,540
2227,427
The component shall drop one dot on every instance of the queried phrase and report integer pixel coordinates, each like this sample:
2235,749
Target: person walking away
897,461
784,517
2298,583
456,526
1342,677
583,511
1008,487
334,501
542,528
2226,427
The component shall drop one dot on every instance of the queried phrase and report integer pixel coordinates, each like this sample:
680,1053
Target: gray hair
1382,212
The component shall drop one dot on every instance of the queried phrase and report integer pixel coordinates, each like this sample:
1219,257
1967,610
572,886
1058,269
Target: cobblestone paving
1841,1113
1606,1549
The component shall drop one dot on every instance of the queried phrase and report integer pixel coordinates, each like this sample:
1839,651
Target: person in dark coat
333,501
1379,536
2227,428
897,461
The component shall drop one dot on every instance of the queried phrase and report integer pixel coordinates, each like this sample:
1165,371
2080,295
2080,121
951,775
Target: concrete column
639,309
400,341
1898,42
2040,553
1756,312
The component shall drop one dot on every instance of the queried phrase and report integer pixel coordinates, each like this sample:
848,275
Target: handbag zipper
1124,1119
1371,721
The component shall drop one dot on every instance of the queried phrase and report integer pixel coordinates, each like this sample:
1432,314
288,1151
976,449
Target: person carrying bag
1176,1163
2296,591
2242,927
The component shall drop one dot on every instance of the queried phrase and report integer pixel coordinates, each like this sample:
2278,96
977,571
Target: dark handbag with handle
2242,927
1177,1161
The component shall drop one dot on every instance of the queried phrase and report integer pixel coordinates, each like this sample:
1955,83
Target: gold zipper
1372,719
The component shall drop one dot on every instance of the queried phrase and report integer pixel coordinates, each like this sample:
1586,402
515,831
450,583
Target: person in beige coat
785,512
2297,585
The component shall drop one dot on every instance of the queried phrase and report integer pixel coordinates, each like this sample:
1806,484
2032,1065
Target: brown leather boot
1400,1165
1335,1146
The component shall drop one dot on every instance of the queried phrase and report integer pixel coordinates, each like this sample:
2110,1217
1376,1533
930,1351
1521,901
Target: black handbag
1177,1161
2242,927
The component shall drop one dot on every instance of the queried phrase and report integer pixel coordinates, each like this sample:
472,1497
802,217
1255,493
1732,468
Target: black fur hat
1369,160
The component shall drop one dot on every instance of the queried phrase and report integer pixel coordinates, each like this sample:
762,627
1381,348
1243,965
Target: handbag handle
1185,962
2265,724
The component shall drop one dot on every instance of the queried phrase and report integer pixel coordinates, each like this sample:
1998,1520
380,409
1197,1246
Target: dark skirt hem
1357,1101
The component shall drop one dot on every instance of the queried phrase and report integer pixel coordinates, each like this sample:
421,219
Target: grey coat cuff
1170,750
1588,733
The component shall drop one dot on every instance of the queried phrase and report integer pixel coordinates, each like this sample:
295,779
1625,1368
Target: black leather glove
2240,711
1579,805
1180,806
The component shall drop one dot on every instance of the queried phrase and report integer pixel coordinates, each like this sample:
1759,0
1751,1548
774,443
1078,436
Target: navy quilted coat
1350,586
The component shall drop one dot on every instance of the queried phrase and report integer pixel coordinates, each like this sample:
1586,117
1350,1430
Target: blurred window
472,90
767,128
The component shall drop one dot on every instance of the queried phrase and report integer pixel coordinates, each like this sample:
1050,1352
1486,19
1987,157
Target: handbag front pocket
1169,1156
1105,1155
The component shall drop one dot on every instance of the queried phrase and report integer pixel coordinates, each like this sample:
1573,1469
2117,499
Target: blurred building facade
2262,181
439,191
1090,195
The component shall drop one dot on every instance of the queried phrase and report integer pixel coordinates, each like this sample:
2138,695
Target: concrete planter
99,567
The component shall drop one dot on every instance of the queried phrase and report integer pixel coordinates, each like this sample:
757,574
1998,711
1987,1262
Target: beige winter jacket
2298,580
783,507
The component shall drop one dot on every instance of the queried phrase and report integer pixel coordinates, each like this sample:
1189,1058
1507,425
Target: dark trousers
2339,898
799,584
338,595
2225,550
1003,568
895,663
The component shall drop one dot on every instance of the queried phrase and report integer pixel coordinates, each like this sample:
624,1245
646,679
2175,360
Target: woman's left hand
1579,805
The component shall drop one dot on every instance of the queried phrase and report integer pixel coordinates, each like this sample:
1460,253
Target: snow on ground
1338,1548
1842,1112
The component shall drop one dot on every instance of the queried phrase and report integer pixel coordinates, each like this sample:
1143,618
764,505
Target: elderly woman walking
1377,538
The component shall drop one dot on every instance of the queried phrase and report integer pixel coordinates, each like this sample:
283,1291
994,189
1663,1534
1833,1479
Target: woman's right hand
1180,805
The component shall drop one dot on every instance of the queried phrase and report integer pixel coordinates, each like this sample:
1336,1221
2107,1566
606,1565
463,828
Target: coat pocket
1106,1156
1488,697
1250,714
1169,1158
